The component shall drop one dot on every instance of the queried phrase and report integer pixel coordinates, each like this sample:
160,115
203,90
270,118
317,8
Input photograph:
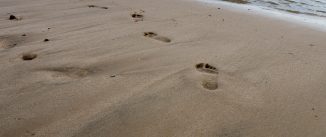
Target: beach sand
157,68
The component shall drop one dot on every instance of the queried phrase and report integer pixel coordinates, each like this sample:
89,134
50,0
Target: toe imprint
137,16
150,34
205,67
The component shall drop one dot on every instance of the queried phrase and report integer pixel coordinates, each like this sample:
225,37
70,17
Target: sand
157,68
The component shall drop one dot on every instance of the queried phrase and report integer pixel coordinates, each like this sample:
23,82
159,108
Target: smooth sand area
157,68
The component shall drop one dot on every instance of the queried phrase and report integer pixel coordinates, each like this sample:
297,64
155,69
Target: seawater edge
314,22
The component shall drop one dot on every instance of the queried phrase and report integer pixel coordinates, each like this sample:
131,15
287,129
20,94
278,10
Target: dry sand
138,68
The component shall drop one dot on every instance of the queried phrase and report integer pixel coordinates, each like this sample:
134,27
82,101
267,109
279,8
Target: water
311,13
304,7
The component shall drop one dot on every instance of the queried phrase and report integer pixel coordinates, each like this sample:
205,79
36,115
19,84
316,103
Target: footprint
137,16
208,81
5,44
14,40
153,35
61,75
8,42
28,56
72,72
95,6
205,67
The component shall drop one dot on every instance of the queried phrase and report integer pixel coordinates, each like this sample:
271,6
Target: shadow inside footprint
153,35
46,40
13,17
205,67
150,34
95,6
163,39
28,56
135,15
210,84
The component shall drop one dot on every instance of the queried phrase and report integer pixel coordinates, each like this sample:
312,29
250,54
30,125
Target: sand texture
157,68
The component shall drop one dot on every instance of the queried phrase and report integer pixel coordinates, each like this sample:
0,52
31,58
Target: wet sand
157,68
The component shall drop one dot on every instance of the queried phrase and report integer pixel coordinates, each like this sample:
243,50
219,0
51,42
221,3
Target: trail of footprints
71,73
209,83
138,16
8,42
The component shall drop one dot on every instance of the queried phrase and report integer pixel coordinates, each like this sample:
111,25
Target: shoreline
153,68
315,22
